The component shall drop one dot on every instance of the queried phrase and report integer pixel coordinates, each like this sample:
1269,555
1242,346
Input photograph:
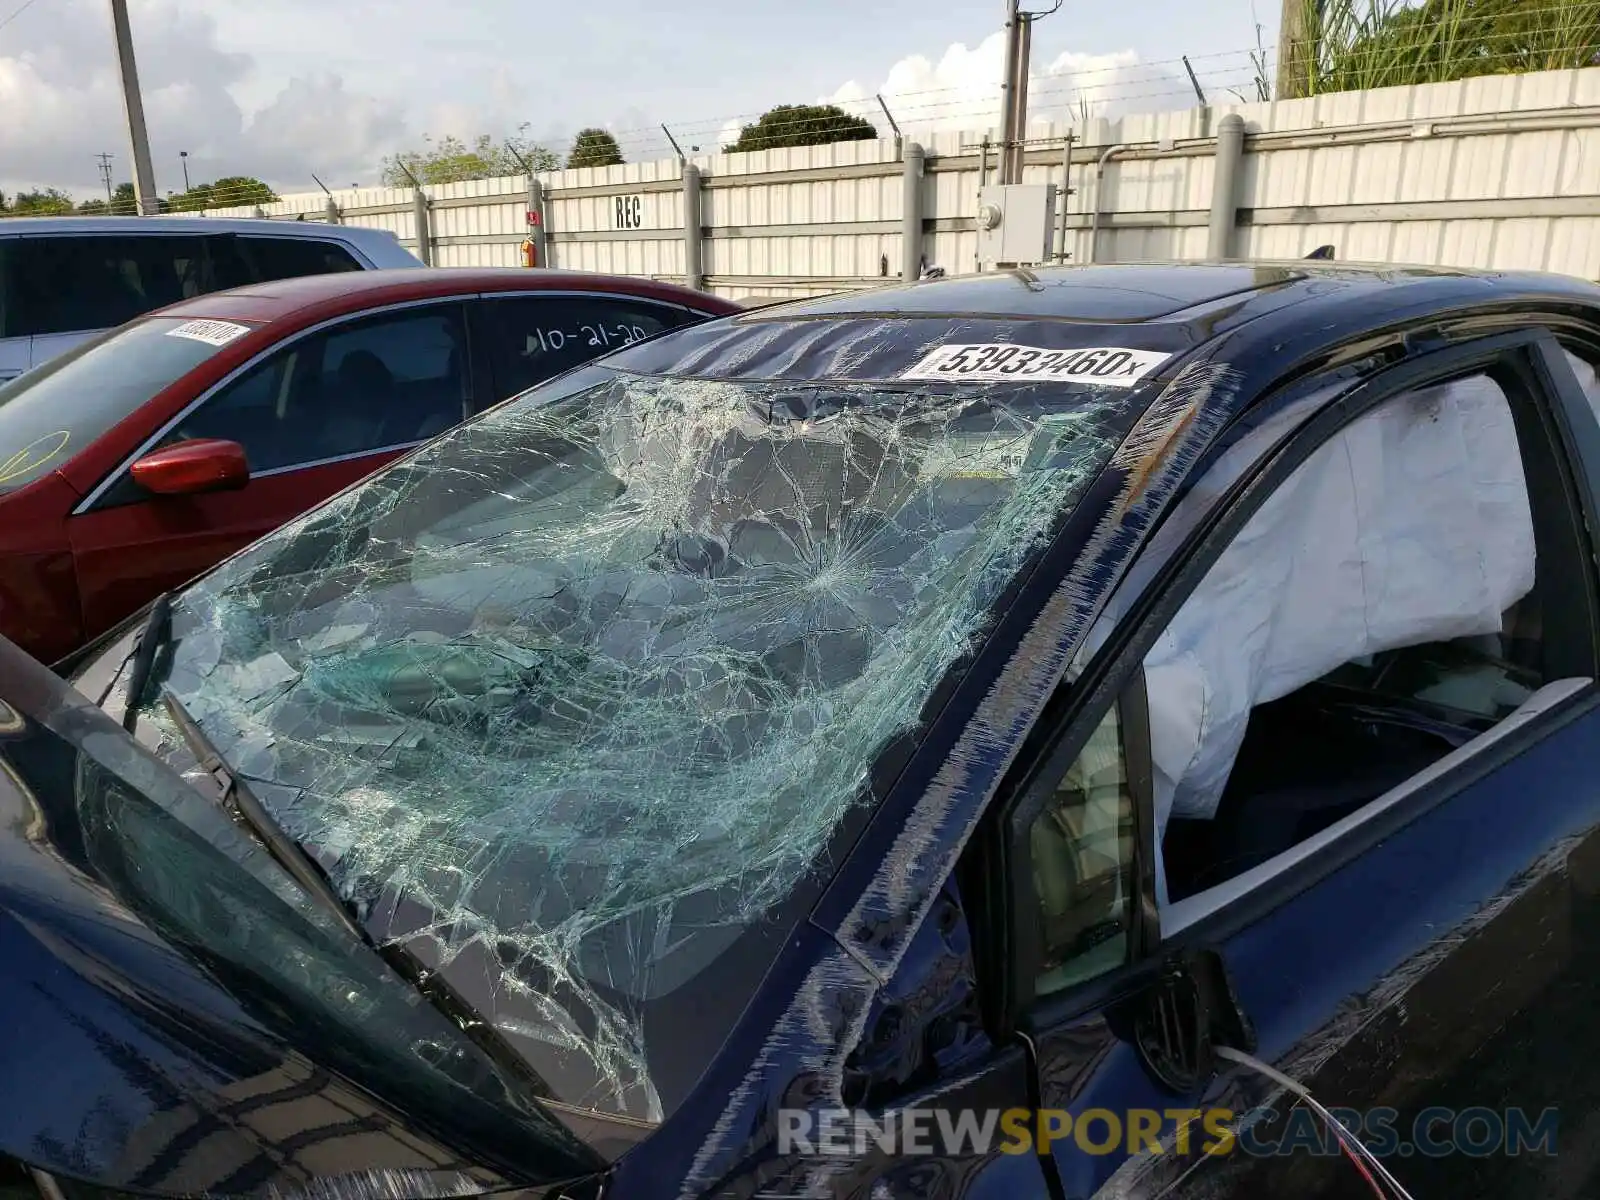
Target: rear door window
533,338
70,284
269,258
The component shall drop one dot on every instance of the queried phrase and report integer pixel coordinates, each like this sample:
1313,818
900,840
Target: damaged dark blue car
1046,734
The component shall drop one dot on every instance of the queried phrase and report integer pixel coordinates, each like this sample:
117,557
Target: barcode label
1103,366
212,333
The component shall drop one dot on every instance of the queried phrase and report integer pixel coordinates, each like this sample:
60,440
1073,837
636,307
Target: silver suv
63,279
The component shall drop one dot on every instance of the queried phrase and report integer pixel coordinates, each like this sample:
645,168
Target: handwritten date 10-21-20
595,337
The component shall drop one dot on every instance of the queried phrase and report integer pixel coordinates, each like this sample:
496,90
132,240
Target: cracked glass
571,700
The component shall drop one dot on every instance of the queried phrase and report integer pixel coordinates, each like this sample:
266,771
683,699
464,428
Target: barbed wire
1250,69
897,99
1169,67
1077,92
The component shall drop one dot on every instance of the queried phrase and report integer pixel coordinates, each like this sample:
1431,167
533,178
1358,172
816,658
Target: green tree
197,199
123,204
450,160
594,148
46,202
802,125
1358,44
228,192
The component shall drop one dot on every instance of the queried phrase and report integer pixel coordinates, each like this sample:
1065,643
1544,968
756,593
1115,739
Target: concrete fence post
333,212
693,261
541,247
911,214
419,201
1225,187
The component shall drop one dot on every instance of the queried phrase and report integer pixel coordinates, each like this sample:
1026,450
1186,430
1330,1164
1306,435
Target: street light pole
183,157
144,176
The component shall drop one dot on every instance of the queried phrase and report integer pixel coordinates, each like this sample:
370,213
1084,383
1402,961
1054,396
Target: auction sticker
999,362
212,333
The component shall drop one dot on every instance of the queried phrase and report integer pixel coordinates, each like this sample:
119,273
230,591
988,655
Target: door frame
1530,359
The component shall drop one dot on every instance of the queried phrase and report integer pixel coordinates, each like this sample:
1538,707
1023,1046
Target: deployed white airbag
1410,526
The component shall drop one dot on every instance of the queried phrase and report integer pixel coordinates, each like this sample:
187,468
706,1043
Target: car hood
154,1064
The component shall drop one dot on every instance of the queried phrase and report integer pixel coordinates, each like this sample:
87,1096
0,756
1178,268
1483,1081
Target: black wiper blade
238,799
155,634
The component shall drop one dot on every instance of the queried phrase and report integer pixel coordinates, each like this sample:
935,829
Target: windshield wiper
240,801
156,633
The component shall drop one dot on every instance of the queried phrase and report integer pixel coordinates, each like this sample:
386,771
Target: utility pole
1014,89
144,176
1296,46
105,174
1014,93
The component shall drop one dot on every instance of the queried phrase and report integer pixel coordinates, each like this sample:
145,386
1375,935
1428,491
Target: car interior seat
440,405
361,405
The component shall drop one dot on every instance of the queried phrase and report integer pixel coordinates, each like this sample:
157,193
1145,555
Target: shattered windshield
571,700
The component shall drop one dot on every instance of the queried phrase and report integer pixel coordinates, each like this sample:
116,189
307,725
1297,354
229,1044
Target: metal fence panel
1501,171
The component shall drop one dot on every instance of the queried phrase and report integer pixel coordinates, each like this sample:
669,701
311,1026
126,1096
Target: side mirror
1180,1020
192,467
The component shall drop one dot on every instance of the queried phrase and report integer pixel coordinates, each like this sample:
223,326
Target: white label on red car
212,333
999,362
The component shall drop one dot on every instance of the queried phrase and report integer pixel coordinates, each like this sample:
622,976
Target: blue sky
284,88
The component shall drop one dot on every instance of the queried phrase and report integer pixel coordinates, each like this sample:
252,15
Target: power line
1109,84
17,12
1206,65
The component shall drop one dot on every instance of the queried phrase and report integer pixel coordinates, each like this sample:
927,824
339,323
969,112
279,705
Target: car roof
193,226
1264,321
1184,292
352,290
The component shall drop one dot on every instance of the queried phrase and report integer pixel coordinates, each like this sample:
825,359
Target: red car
144,456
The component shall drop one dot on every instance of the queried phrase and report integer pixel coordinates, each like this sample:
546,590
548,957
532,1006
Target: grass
1354,45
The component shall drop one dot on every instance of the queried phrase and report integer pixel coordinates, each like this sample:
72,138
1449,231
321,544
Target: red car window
534,338
52,412
373,384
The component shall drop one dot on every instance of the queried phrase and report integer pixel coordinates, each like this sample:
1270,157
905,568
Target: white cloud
961,91
58,72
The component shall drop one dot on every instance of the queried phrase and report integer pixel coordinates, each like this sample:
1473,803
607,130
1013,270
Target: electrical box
1016,224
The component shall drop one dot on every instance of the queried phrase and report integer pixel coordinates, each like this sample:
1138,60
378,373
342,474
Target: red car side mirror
189,468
